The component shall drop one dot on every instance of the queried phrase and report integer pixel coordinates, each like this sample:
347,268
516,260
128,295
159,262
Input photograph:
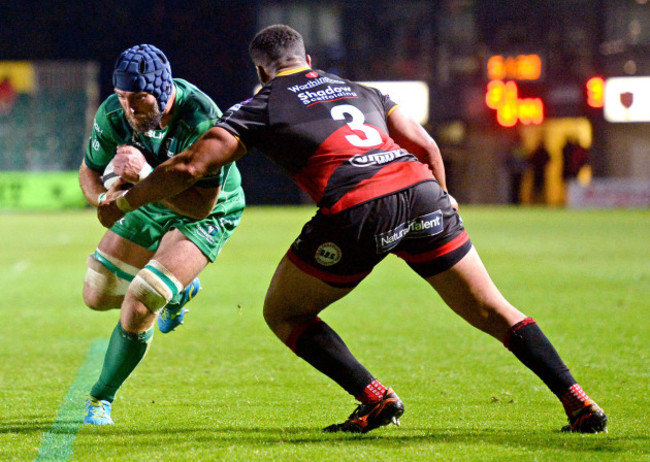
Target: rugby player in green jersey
148,262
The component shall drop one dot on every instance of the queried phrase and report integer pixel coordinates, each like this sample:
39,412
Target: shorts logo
423,226
207,235
328,254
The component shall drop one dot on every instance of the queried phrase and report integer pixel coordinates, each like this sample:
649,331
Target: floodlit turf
222,387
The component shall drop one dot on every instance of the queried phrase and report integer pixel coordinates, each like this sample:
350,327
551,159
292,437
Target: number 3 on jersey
373,137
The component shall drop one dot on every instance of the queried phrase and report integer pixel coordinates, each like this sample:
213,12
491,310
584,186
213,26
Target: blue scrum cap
144,68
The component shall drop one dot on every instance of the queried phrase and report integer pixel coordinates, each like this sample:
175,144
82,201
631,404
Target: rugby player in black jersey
379,182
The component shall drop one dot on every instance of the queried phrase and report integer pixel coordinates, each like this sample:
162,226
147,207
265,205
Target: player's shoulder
109,115
194,101
368,88
111,107
377,96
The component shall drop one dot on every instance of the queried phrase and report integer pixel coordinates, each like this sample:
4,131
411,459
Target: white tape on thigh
155,285
104,281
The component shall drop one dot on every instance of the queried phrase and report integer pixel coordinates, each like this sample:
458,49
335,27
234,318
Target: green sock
174,303
123,354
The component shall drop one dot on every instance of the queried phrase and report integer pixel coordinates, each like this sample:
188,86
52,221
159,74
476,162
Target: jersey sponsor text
328,94
314,83
379,158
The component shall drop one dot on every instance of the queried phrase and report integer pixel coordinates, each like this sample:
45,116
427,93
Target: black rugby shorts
417,224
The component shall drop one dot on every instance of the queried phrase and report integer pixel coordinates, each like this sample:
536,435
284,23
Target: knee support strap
155,286
108,275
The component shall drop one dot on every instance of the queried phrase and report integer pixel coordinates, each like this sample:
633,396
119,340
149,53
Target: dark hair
275,45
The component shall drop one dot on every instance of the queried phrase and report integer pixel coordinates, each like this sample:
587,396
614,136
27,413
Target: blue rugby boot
98,412
171,316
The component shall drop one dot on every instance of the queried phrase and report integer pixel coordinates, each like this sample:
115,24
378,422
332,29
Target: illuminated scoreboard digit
520,67
596,92
502,92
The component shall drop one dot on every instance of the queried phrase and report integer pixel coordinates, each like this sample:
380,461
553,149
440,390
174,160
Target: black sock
529,344
320,346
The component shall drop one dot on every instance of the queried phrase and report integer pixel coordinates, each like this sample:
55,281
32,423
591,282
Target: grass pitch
223,387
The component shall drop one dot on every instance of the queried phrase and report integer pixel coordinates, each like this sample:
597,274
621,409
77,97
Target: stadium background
56,61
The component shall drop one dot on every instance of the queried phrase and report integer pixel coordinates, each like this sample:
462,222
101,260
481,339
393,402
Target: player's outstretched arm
132,166
216,148
410,135
195,202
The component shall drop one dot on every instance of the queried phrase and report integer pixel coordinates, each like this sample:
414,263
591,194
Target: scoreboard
503,92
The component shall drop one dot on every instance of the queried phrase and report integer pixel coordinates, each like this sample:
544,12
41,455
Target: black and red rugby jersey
329,135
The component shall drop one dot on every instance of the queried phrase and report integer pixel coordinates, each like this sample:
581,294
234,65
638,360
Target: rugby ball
109,177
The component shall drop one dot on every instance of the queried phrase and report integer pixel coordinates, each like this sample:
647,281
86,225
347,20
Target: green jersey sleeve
103,140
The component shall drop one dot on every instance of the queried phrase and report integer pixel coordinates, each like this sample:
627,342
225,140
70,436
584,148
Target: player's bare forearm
197,203
208,154
410,135
433,159
90,183
194,202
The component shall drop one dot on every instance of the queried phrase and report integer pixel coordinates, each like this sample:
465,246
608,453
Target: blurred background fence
45,123
46,111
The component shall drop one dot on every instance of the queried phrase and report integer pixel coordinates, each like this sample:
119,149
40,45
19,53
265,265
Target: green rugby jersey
194,114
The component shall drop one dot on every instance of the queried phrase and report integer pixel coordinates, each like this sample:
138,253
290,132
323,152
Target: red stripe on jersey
313,177
393,177
322,275
442,250
336,149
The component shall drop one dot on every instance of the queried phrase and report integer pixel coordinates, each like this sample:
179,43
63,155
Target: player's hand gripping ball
110,178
